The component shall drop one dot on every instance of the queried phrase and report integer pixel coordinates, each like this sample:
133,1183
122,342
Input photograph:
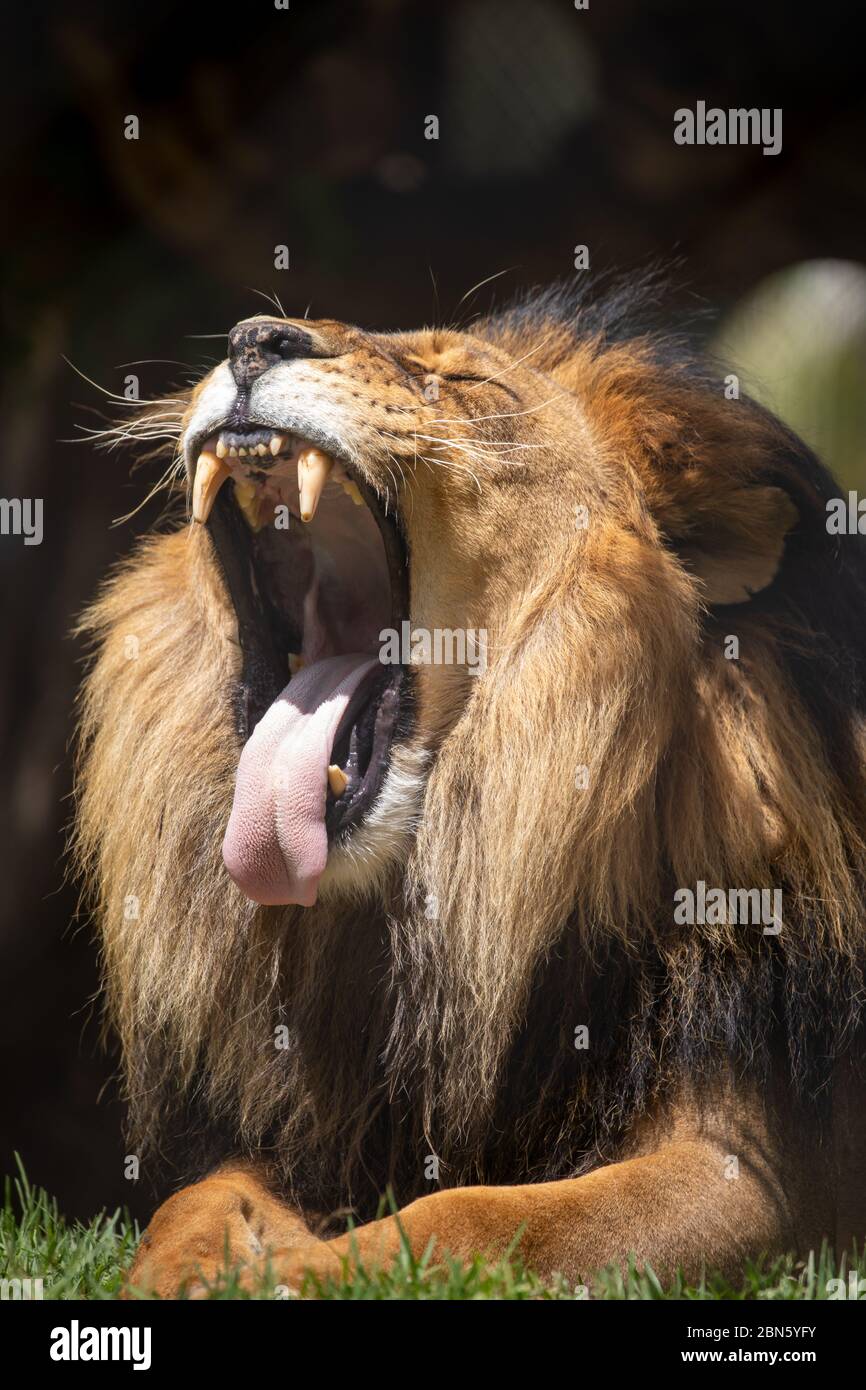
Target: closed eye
480,381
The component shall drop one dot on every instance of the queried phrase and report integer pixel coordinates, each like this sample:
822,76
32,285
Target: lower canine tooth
352,490
210,474
248,501
313,469
337,780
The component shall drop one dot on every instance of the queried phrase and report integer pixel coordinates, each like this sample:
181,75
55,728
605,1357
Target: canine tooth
248,501
221,449
278,444
296,663
313,470
337,779
210,474
352,490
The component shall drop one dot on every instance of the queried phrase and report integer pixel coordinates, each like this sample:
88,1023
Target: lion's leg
694,1199
232,1213
680,1206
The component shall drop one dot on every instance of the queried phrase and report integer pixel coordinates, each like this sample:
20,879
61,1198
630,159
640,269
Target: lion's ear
735,546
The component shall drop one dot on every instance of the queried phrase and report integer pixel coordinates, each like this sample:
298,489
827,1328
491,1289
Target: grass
87,1261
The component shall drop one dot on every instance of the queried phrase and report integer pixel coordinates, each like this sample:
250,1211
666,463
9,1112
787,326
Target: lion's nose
257,344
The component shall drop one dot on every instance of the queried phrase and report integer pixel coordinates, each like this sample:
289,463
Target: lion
486,935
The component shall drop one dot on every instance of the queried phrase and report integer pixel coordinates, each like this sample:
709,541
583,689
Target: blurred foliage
798,344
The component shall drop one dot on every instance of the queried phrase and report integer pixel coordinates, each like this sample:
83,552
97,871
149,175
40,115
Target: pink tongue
276,845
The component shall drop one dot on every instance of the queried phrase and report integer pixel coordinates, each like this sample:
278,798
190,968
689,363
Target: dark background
306,127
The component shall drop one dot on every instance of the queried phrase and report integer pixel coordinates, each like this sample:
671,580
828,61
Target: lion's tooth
242,453
296,663
210,474
337,779
248,501
221,449
278,444
313,469
352,490
261,450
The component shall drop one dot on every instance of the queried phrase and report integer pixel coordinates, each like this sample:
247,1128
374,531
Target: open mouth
316,568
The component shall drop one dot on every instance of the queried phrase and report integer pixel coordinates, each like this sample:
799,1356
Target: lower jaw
367,750
369,863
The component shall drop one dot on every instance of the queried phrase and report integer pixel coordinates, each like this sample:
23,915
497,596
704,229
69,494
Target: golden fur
451,1032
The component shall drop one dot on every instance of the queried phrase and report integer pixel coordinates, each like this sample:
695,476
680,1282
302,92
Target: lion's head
357,916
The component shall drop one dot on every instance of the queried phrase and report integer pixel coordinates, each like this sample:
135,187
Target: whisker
112,395
510,368
148,361
453,468
170,475
503,415
491,449
481,284
270,299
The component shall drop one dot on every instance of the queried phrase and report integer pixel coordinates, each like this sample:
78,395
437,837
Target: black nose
257,344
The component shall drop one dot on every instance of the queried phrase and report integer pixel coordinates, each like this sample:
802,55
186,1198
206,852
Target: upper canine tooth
278,444
313,470
210,474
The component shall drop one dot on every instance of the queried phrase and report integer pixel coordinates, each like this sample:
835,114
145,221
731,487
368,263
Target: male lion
485,931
